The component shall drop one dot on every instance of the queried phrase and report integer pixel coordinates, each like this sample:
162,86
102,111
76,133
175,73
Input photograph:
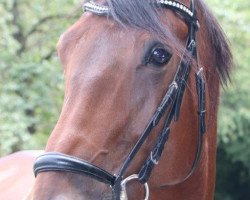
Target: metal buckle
200,71
123,195
156,162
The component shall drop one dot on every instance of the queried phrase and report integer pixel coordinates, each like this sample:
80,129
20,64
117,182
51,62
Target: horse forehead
102,28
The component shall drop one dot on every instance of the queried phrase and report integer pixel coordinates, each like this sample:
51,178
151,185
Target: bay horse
139,118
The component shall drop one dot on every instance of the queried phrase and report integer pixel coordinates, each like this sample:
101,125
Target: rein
171,101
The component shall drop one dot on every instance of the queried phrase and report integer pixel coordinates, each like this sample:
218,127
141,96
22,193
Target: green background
31,83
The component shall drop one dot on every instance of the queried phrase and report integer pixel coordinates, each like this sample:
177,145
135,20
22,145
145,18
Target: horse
139,118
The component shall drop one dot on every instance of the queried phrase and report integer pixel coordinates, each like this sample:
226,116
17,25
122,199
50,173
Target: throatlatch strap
201,91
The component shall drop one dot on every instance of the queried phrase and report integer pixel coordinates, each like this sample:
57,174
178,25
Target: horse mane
219,42
141,14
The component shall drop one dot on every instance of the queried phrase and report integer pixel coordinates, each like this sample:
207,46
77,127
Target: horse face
115,77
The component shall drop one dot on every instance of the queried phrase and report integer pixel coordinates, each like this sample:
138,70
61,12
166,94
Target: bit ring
128,179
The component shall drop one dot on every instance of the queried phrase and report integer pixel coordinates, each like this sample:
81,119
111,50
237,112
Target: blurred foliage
233,159
31,83
31,78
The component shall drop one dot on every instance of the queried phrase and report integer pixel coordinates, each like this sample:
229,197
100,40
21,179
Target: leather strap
61,162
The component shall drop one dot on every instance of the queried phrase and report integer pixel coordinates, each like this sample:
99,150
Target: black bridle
171,102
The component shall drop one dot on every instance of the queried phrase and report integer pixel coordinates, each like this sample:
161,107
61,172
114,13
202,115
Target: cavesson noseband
171,102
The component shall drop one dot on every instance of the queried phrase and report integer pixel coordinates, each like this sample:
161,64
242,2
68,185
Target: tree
31,80
233,174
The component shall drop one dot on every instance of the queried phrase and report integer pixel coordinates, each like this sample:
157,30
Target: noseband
171,102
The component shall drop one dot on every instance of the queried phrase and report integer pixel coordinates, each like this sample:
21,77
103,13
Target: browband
189,15
93,7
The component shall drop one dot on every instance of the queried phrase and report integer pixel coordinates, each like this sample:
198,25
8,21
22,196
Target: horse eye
159,56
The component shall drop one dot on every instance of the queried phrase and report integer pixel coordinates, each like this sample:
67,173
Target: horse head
135,74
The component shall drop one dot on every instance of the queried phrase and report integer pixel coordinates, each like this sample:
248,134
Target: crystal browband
95,8
104,10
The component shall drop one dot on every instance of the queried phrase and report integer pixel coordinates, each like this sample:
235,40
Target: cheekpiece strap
201,92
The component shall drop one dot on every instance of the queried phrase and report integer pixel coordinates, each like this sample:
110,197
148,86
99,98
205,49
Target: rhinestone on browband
95,8
104,10
177,5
